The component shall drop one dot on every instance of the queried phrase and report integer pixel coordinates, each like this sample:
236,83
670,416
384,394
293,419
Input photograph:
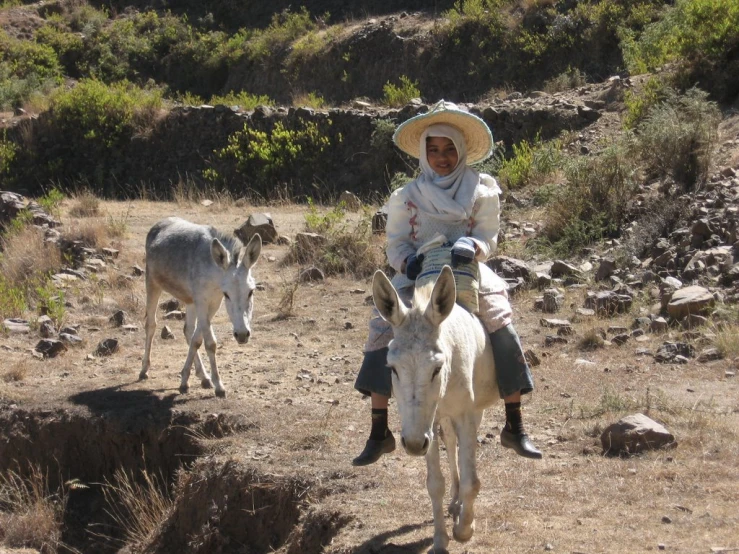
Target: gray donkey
199,266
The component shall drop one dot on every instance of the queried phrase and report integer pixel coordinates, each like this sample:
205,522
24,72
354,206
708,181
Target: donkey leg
195,342
153,292
210,346
190,323
469,484
450,441
435,487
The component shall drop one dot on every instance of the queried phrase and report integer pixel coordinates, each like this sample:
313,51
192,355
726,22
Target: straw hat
476,133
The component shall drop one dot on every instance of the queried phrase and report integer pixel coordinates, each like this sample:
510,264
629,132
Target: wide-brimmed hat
476,133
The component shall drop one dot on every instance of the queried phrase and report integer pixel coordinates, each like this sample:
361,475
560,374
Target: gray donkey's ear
387,301
443,297
250,253
220,255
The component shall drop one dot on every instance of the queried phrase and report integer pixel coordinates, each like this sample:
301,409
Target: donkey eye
436,372
227,296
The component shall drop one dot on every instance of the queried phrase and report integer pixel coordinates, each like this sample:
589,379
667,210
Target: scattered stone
550,340
350,200
118,319
562,269
554,323
167,333
310,242
552,301
658,325
170,305
531,358
620,339
379,221
70,338
635,433
587,312
261,224
137,271
509,268
50,348
606,268
669,351
17,326
107,347
709,355
130,328
46,328
111,253
175,314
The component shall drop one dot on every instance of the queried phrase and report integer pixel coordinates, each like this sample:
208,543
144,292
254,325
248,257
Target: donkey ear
220,255
442,297
250,253
386,300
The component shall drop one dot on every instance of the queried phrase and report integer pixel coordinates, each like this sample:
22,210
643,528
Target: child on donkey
454,200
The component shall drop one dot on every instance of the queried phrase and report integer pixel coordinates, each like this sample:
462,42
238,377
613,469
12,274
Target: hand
413,265
463,251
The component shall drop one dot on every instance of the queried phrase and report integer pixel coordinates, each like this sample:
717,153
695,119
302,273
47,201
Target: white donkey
443,372
199,266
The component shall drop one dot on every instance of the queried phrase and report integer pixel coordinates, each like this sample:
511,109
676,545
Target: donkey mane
229,242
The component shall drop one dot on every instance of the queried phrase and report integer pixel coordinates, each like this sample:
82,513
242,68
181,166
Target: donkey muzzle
242,337
416,447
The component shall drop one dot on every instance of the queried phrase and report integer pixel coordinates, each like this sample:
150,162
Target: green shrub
702,36
25,67
679,136
286,27
282,154
594,200
567,80
51,201
638,104
98,117
400,95
246,101
545,194
8,151
531,163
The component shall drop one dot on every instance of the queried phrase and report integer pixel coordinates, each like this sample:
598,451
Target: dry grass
92,233
286,305
30,516
727,340
138,507
16,373
26,257
85,204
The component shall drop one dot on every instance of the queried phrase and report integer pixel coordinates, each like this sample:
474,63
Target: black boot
381,440
513,436
374,449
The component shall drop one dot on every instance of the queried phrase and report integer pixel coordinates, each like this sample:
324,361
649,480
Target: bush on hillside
679,136
701,36
593,202
25,67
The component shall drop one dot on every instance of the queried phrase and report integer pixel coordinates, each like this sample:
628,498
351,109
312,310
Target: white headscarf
448,198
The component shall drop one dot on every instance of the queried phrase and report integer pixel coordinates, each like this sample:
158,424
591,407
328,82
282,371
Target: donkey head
417,355
238,284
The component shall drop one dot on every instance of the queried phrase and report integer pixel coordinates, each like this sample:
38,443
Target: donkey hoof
143,376
221,393
463,534
184,389
206,384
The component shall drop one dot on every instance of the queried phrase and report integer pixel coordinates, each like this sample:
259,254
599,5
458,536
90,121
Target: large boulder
635,433
257,223
690,300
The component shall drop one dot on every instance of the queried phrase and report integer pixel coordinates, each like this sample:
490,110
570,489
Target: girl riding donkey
454,200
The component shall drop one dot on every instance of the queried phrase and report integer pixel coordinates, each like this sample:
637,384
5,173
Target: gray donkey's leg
153,292
190,325
210,344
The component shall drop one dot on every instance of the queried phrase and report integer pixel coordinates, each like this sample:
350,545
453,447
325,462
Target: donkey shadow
379,543
118,403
